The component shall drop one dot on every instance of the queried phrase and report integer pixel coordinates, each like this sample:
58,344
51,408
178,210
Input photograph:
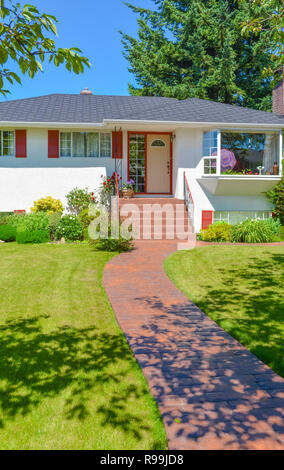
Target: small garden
49,222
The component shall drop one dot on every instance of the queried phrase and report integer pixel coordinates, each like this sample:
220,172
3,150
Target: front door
149,162
158,163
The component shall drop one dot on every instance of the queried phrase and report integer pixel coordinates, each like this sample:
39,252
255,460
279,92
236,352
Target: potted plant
127,189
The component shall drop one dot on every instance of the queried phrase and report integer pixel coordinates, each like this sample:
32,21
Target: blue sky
91,25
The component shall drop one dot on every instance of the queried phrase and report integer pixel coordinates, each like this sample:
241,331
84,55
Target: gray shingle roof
65,108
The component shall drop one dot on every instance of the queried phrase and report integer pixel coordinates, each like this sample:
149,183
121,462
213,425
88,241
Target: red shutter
21,143
117,144
53,144
207,219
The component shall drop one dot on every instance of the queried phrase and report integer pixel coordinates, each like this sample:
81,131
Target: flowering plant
128,185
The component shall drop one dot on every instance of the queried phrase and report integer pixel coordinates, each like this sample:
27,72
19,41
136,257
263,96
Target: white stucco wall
20,187
24,180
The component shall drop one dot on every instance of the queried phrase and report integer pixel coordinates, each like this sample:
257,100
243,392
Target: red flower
104,183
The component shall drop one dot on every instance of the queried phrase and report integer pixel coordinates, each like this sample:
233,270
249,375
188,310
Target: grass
68,379
241,289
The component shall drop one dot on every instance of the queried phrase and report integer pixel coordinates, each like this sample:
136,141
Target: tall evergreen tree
194,48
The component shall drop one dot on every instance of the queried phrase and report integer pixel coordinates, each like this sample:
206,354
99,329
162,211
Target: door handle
168,167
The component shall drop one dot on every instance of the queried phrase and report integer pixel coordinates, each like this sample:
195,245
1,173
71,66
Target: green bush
79,199
4,219
85,218
120,245
30,222
53,220
276,196
36,236
70,228
218,232
7,233
255,231
281,233
111,244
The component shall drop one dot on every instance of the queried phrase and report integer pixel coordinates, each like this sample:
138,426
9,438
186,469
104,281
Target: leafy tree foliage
24,33
194,48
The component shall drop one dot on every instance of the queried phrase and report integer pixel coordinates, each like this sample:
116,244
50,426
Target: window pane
210,143
137,150
92,144
78,144
8,143
249,153
65,144
105,144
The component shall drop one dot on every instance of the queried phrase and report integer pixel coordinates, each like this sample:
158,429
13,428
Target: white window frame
2,140
85,132
257,214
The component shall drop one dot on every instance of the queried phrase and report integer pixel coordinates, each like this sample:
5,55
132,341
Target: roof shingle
67,108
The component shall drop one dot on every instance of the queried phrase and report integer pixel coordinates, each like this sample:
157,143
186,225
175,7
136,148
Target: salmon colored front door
158,163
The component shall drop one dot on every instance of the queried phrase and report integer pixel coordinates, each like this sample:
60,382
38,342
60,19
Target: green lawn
241,288
67,377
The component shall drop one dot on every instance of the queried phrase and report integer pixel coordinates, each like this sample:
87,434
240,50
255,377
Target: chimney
86,91
278,94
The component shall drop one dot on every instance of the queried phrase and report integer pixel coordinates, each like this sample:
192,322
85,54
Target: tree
268,15
194,48
24,33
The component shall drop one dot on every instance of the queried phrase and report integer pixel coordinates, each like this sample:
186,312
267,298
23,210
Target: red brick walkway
211,391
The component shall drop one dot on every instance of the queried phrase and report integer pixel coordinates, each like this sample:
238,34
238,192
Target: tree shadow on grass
212,392
259,326
36,364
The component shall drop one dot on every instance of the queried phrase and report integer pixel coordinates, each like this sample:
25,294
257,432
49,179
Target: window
210,150
210,145
137,161
7,143
158,143
249,153
85,144
235,217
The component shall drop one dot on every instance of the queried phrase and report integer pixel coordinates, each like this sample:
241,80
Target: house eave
124,122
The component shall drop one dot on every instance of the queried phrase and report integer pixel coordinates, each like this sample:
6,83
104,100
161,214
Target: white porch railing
188,199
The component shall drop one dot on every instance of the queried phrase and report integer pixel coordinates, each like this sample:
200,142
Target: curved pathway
211,391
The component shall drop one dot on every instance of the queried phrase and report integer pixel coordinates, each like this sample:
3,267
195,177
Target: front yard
67,377
241,288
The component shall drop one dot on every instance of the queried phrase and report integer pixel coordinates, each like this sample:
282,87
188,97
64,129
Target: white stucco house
229,155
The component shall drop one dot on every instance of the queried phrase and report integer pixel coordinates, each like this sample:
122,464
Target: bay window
85,144
232,152
7,143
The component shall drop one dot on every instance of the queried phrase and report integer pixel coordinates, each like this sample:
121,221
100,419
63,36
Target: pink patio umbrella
228,160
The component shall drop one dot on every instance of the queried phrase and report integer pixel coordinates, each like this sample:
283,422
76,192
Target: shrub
218,232
255,231
276,196
85,218
36,236
7,233
4,219
111,244
31,222
281,232
70,228
79,199
53,220
120,245
48,205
